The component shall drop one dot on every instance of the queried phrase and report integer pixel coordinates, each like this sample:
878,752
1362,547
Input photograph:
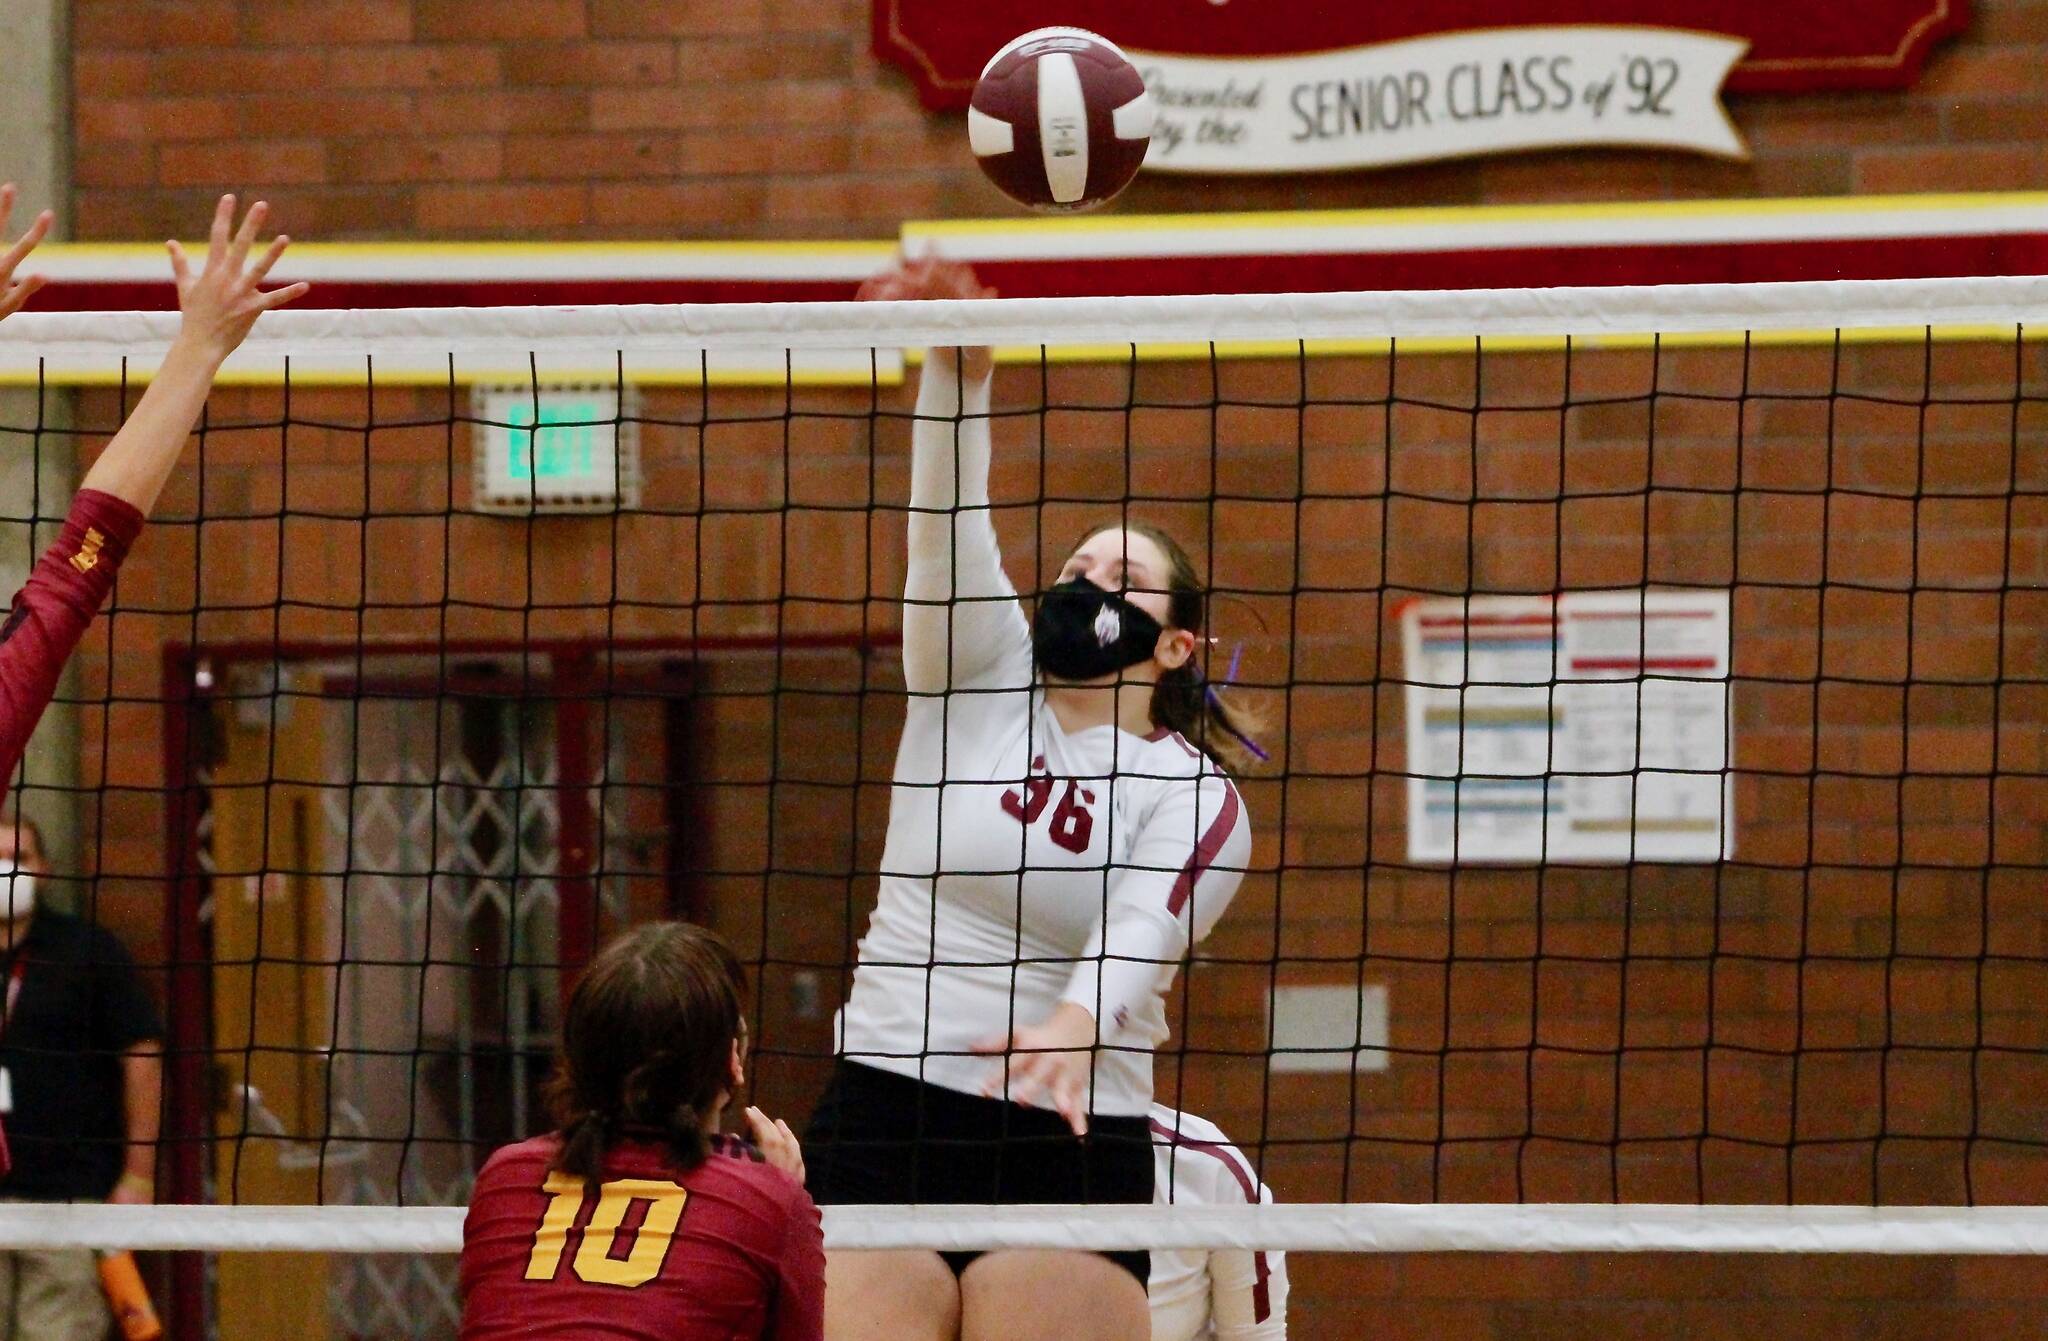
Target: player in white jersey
1060,833
1228,1295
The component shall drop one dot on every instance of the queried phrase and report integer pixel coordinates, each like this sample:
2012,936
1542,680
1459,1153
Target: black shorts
877,1138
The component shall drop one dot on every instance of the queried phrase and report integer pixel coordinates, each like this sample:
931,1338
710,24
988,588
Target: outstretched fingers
26,243
222,299
277,298
15,296
15,293
181,264
218,236
245,236
261,270
926,275
228,271
887,287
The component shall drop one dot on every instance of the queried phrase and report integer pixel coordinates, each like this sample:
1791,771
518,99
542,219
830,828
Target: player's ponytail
1185,699
647,1045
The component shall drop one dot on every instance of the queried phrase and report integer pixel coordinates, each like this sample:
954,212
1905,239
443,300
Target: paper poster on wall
1591,727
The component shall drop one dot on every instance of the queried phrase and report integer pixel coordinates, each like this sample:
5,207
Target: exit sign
556,449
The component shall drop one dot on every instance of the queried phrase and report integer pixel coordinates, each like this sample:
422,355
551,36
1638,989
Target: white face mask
18,893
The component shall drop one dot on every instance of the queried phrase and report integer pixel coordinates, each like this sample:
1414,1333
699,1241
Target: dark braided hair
1184,700
647,1046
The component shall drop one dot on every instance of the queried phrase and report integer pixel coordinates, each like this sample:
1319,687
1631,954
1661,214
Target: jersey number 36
594,1262
1073,824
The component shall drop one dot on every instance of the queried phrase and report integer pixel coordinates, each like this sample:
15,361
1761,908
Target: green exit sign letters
556,449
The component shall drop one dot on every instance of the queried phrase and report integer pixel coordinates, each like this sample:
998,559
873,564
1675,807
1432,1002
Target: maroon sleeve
54,609
799,1313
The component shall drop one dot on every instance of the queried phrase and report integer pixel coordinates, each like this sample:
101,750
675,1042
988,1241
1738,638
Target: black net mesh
363,774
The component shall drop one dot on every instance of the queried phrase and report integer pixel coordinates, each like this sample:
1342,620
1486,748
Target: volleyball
1060,119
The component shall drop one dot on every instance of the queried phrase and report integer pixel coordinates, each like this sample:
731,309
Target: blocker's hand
928,277
15,292
222,300
778,1143
1052,1060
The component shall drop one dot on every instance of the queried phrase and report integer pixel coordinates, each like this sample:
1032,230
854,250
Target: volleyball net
1650,853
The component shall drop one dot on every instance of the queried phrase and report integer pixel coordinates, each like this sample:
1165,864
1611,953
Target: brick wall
771,118
1884,917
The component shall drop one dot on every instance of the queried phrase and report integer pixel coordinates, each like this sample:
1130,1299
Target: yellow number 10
594,1261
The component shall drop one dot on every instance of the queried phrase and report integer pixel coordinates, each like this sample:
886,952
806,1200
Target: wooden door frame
578,673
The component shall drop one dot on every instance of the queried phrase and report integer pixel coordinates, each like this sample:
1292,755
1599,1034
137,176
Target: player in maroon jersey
636,1220
51,612
220,301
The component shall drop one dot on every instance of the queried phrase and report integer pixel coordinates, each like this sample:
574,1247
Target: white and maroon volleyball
1060,119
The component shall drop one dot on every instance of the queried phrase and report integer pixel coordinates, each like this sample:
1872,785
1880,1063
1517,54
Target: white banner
1492,91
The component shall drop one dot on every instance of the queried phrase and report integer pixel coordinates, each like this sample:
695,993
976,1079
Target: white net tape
74,340
1383,1228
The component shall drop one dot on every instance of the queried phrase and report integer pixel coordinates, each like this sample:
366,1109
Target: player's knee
908,1295
1029,1295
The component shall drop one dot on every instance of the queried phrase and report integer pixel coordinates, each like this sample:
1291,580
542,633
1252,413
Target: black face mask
1082,632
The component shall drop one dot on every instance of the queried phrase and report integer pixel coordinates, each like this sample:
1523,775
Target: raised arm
68,585
961,624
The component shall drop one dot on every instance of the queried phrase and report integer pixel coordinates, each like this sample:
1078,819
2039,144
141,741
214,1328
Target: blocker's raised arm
221,301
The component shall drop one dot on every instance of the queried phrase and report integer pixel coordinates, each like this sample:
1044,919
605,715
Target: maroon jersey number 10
595,1263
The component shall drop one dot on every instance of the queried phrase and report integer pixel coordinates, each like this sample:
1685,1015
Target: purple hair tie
1216,701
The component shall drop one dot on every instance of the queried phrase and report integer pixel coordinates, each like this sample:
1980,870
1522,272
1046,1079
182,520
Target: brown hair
647,1045
1184,700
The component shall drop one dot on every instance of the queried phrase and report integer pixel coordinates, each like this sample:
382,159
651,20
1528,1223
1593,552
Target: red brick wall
1682,991
771,118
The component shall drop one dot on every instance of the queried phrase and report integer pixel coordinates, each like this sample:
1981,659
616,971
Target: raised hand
933,276
777,1142
927,276
221,301
14,292
223,298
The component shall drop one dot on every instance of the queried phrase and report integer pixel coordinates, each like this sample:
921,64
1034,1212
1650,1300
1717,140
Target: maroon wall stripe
1304,272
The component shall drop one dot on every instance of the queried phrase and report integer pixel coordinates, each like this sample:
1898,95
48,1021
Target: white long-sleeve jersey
1228,1295
1024,866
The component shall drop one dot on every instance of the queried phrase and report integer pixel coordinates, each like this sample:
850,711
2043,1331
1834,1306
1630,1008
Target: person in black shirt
81,1086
